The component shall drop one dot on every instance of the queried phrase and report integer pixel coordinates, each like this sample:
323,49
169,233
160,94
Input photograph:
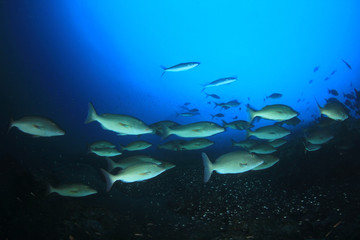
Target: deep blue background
56,56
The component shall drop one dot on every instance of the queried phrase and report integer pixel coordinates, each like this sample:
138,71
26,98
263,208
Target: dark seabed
305,196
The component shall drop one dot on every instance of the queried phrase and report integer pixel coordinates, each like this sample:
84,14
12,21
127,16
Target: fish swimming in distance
174,145
105,152
158,126
271,132
316,69
233,162
134,173
136,146
212,95
334,110
219,82
311,147
218,115
37,126
126,162
263,148
102,144
347,64
195,144
277,112
269,161
72,190
333,92
180,67
194,130
121,124
239,125
187,114
318,136
274,96
246,144
277,142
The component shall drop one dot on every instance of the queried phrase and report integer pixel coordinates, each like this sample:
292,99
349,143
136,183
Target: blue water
57,56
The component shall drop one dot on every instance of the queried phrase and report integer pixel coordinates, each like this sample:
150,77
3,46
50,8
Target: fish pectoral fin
196,130
123,124
36,126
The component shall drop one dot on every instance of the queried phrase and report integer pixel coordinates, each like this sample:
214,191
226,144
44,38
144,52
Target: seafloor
305,196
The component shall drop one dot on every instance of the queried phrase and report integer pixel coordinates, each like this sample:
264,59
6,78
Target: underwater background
56,57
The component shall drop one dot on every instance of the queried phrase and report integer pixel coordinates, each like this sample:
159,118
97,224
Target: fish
334,110
318,136
311,81
72,190
333,92
311,147
227,105
174,145
277,112
233,162
37,126
195,144
187,114
291,122
121,124
275,96
180,67
101,144
219,82
134,173
129,161
212,95
333,72
105,152
263,148
277,142
194,130
269,161
135,146
271,132
194,110
159,126
326,78
187,103
217,115
246,144
239,125
349,96
316,69
347,64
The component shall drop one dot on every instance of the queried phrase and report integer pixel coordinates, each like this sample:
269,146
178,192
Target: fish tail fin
203,89
208,167
232,142
163,68
224,123
252,113
216,104
11,124
207,95
92,116
110,164
318,105
166,132
49,189
109,179
248,133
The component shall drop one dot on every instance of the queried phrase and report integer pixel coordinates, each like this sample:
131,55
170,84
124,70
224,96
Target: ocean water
57,57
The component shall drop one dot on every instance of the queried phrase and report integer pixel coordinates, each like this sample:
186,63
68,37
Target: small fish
334,109
275,96
347,64
316,69
236,117
277,112
193,110
271,132
218,115
219,82
239,125
180,67
333,72
187,103
37,126
233,162
105,152
269,161
187,114
72,190
327,78
311,81
193,130
349,96
212,95
135,146
319,136
333,92
195,144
